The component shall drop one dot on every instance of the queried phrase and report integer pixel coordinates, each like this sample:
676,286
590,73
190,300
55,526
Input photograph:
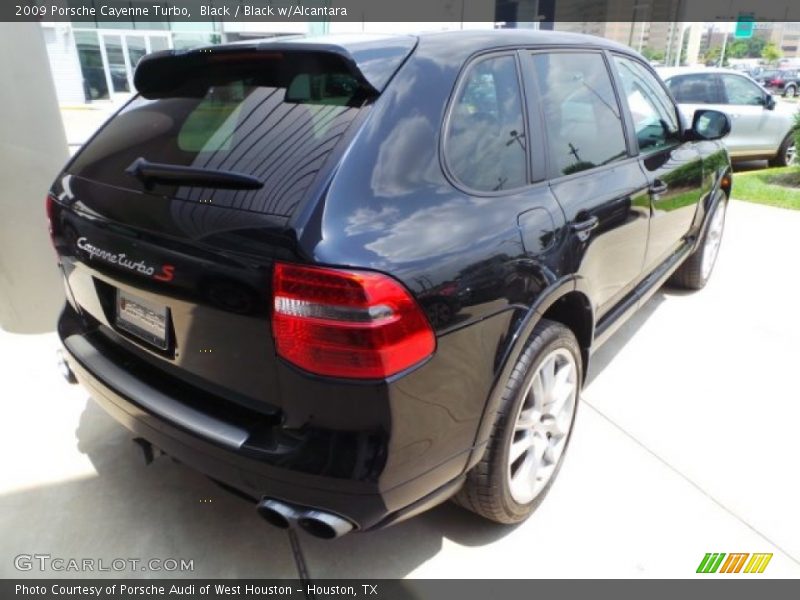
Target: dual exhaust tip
318,523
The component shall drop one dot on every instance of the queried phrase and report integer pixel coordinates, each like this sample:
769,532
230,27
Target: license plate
142,318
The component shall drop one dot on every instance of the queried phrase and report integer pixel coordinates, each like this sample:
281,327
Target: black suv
354,278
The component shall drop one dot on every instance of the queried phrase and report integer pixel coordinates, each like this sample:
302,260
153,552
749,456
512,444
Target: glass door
95,84
137,48
118,66
122,52
158,42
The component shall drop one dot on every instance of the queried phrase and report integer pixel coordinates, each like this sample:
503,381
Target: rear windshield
280,130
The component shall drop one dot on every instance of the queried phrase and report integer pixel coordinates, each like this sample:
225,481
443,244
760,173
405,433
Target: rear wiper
150,173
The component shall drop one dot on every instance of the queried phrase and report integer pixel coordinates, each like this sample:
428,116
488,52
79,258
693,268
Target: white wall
64,62
33,149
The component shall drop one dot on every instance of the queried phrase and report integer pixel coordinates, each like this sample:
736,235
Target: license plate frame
143,319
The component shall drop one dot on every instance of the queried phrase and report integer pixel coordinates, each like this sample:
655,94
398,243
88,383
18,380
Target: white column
33,148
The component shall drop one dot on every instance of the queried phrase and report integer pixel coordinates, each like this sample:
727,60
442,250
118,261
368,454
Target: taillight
352,324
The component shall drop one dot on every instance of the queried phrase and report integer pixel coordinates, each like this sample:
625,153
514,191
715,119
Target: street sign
744,26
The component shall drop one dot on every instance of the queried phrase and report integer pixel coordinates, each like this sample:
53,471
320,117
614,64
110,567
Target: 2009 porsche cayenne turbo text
392,259
114,12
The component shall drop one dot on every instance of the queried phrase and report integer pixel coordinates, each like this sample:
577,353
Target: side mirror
769,102
710,125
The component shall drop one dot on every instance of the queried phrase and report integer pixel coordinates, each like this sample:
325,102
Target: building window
95,86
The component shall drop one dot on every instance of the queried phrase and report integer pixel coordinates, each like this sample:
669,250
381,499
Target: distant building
786,36
653,27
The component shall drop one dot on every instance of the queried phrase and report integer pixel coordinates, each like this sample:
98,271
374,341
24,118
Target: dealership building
93,61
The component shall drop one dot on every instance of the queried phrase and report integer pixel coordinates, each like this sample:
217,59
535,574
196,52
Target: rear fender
518,340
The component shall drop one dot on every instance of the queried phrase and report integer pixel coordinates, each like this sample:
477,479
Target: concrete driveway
685,443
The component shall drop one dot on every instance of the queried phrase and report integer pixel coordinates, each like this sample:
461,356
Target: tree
738,49
654,55
712,55
771,53
754,46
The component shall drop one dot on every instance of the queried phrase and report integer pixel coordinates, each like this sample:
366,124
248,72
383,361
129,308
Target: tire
790,91
696,270
787,153
489,490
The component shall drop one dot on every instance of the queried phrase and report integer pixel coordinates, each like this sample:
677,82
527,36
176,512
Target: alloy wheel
791,154
713,239
542,426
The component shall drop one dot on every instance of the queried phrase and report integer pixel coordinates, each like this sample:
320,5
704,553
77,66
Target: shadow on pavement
608,351
168,510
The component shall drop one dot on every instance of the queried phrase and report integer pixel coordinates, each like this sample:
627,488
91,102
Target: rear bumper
223,449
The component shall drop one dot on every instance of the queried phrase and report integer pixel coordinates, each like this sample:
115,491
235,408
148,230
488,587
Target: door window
655,120
485,145
739,90
582,118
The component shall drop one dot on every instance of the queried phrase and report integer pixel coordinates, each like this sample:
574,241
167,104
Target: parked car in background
354,277
780,81
761,128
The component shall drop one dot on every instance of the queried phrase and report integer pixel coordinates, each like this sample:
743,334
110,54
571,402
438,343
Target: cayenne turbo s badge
162,273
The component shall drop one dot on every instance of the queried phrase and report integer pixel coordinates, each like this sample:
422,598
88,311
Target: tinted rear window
281,130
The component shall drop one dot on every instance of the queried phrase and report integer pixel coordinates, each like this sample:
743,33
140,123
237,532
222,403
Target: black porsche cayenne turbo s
354,277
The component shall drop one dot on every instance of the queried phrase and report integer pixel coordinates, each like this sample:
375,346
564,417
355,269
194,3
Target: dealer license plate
142,318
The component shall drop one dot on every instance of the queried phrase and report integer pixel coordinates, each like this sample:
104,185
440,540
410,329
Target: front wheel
787,153
695,272
790,91
531,431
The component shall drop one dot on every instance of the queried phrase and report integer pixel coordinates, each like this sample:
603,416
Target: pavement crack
690,481
299,561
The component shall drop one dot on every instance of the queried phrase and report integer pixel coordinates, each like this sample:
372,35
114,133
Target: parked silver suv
761,127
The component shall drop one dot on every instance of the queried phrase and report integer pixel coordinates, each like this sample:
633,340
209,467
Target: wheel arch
566,302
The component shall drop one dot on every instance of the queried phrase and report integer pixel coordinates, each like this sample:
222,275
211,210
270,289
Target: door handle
584,227
658,187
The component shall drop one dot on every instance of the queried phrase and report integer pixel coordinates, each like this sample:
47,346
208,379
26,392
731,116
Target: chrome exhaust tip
64,368
277,513
324,525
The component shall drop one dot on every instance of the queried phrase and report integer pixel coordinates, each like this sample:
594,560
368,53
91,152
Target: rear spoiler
371,62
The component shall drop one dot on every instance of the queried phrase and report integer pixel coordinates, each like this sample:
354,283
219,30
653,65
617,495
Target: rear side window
695,89
485,145
278,128
582,118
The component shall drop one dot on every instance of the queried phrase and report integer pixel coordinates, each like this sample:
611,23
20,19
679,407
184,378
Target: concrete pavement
685,443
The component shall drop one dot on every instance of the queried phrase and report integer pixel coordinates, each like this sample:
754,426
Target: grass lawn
774,187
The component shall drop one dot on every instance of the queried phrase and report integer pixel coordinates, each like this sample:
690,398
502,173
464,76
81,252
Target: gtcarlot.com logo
737,562
47,562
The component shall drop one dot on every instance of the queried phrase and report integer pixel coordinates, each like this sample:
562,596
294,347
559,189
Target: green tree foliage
655,55
749,48
712,55
771,53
